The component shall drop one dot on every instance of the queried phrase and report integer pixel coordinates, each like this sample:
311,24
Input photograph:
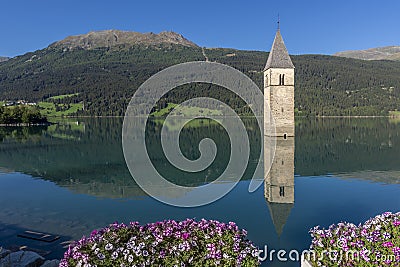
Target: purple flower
93,233
387,244
185,236
63,263
370,238
386,235
360,243
396,251
210,247
151,244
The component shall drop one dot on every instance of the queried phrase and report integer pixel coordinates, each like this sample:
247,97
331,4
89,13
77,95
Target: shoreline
25,124
241,116
164,117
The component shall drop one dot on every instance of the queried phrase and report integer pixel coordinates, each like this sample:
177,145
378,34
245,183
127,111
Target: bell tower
279,111
279,90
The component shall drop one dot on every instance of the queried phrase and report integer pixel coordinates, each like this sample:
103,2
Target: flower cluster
166,243
374,243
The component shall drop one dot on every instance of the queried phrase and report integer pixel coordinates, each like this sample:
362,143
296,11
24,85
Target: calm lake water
71,178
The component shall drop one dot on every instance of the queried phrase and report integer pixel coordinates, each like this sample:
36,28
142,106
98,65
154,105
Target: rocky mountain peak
379,53
4,59
109,38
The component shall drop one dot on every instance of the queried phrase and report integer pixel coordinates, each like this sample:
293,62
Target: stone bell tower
279,99
279,90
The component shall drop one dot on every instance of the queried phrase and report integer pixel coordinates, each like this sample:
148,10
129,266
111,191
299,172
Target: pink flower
185,236
387,244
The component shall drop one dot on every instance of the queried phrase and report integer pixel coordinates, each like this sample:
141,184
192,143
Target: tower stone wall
279,91
279,180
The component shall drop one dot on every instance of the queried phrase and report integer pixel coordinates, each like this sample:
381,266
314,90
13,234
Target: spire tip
279,22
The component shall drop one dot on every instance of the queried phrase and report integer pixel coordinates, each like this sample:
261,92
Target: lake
70,178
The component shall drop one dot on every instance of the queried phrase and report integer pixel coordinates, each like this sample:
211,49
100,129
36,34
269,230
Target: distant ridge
4,59
110,38
379,53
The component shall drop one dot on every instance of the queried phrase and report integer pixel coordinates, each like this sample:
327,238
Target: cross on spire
279,23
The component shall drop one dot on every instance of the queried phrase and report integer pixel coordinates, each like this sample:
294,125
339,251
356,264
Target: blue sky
308,26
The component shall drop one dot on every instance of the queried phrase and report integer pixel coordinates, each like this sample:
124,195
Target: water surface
71,178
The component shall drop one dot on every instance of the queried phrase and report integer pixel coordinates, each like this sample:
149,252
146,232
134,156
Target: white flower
130,258
114,255
109,246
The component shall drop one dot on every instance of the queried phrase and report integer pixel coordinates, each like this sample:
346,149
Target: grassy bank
51,109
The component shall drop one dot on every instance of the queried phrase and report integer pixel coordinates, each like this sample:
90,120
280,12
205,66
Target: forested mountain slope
106,76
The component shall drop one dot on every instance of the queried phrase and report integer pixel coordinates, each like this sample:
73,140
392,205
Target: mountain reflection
86,155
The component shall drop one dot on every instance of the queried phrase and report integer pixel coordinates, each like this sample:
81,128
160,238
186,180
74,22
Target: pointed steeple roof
279,214
279,56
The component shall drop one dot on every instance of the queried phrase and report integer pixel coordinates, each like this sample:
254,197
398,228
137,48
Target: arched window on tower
281,79
282,191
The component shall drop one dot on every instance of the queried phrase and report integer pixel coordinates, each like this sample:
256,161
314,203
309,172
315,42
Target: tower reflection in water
279,180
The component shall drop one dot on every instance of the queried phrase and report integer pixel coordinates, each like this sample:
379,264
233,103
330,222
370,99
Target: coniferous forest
104,79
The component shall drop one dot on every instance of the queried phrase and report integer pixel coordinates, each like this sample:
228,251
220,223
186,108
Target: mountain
4,59
104,75
111,38
380,53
